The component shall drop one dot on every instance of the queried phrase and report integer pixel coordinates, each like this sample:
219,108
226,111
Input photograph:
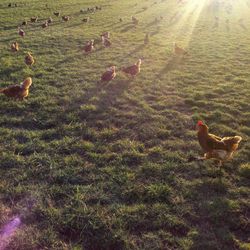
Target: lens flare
7,232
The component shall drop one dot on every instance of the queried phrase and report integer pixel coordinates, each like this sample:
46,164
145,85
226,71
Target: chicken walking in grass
45,24
106,34
14,47
65,18
34,19
179,51
57,14
109,75
18,91
134,69
86,19
21,32
29,59
106,42
50,20
135,21
89,47
215,147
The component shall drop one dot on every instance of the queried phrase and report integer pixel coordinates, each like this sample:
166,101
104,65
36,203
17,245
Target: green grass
88,166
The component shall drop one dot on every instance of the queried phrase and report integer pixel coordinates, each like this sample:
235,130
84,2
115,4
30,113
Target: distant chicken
85,20
214,147
135,21
21,32
57,14
14,47
65,18
34,19
106,34
106,42
18,91
89,47
134,69
24,23
146,39
109,75
29,60
179,51
50,20
45,24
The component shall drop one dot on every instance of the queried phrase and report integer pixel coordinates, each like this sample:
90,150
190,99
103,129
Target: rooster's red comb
199,123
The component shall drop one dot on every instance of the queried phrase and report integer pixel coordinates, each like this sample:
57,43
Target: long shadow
6,73
10,27
171,64
113,90
216,25
140,11
227,25
117,26
214,220
127,28
137,49
152,23
242,25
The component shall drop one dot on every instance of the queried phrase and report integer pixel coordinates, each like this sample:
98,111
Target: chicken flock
221,149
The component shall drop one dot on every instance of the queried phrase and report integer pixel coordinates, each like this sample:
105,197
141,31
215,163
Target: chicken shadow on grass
140,11
106,95
242,25
118,25
214,217
171,64
128,27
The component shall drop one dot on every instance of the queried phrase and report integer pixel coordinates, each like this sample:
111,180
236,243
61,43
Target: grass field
91,166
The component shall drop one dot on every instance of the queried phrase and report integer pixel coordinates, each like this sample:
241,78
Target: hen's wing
107,76
232,143
12,91
131,69
215,142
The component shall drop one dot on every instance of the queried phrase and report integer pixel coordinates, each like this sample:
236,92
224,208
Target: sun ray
192,10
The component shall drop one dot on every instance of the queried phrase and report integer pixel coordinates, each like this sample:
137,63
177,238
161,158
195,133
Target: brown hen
18,91
109,75
221,149
134,69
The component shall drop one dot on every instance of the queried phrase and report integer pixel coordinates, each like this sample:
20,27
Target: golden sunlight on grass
189,14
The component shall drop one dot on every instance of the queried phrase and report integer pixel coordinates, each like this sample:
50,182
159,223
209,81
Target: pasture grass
91,166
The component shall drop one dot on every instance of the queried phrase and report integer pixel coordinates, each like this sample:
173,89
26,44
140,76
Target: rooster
179,51
21,32
14,47
18,91
134,69
29,60
89,47
135,21
215,147
109,75
106,42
